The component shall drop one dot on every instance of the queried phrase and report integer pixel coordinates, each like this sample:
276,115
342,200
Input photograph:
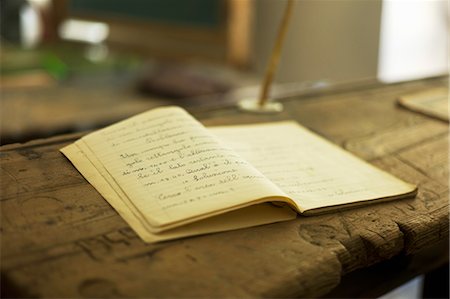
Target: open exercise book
168,176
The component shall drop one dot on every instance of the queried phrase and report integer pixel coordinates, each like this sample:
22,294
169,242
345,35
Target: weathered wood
60,238
373,282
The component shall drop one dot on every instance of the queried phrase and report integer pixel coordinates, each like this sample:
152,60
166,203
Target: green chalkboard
204,13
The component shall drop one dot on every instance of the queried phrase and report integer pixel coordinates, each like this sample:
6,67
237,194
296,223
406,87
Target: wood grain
60,238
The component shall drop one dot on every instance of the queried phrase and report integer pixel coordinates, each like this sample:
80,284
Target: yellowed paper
313,172
433,102
172,170
246,217
170,177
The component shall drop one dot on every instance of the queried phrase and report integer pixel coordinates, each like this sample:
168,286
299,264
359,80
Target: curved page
314,172
175,171
246,217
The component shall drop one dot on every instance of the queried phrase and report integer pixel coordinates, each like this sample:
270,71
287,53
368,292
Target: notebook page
96,174
80,160
87,163
171,168
245,217
314,172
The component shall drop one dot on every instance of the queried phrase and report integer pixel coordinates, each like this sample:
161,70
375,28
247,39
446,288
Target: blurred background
73,65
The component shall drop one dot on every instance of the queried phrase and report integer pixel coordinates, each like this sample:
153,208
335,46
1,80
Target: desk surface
61,239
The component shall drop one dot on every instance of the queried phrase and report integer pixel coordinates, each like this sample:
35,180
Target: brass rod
275,56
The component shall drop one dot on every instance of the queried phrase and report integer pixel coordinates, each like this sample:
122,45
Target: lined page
171,168
246,217
90,172
314,172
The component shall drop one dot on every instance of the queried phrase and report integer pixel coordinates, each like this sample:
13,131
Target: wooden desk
61,239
